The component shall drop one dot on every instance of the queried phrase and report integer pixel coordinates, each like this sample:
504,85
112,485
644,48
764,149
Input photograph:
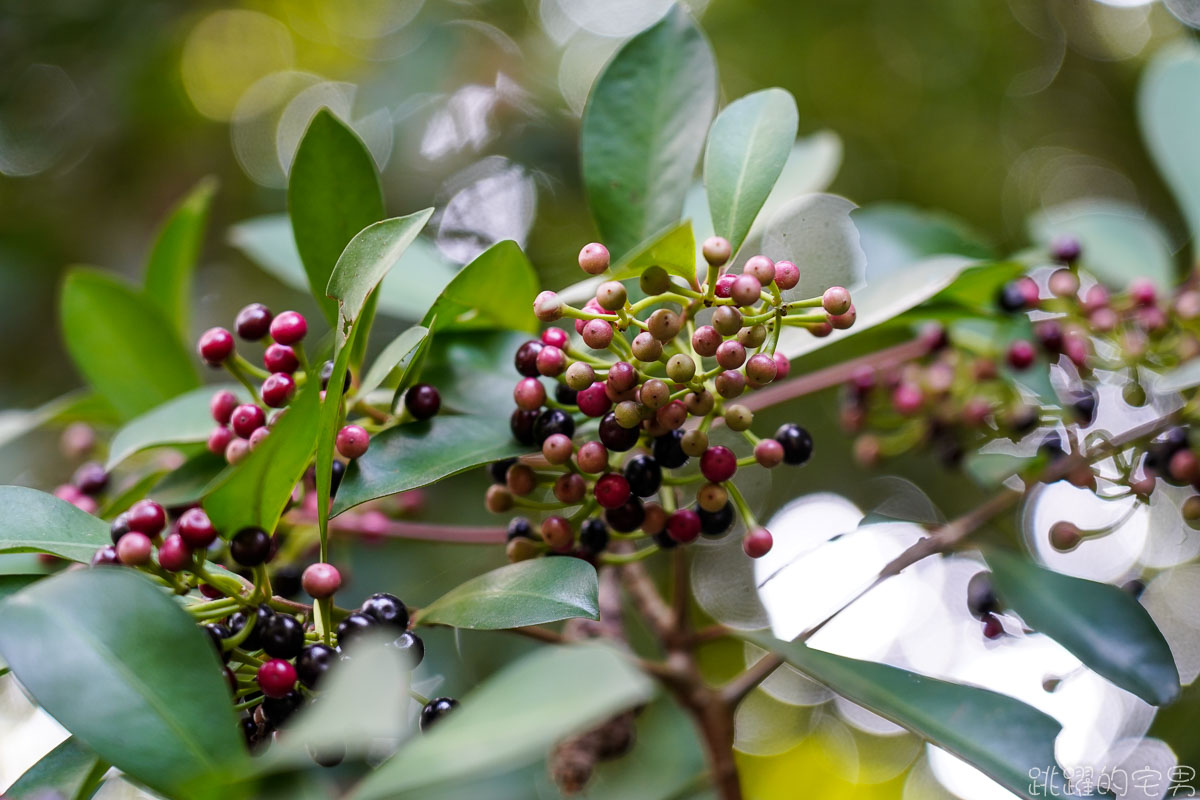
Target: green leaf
1185,376
329,418
993,469
122,343
404,349
1104,627
185,419
189,483
268,242
1002,737
255,491
893,236
130,492
515,717
66,771
11,584
496,290
674,250
474,371
817,234
176,250
529,592
154,703
420,453
368,258
748,145
643,128
80,405
1169,113
1120,242
36,522
333,193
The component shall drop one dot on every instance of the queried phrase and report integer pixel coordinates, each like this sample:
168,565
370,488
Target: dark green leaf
515,717
185,419
329,418
255,491
66,771
1102,625
1169,113
11,584
420,453
404,349
1002,737
122,343
496,290
674,250
367,259
129,492
474,372
81,405
1119,242
333,193
529,592
643,129
188,483
154,703
36,522
176,250
748,145
894,236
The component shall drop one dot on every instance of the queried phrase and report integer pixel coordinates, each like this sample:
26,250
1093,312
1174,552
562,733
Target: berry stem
629,558
743,508
235,367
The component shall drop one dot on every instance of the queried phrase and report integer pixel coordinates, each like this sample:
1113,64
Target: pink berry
1094,298
1021,354
555,337
594,400
219,439
907,398
622,376
731,354
836,300
196,528
551,360
762,268
757,543
174,554
246,419
529,394
288,328
716,250
761,369
593,258
787,275
843,321
557,448
236,450
746,290
216,345
684,525
134,549
146,516
321,580
768,453
1142,291
706,340
547,306
280,358
221,405
592,457
820,329
597,334
258,436
278,389
782,366
353,440
276,677
718,464
1029,290
611,490
724,285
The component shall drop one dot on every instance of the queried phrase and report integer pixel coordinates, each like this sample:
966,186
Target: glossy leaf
643,129
1169,113
1002,737
529,592
420,453
1102,625
333,193
474,372
122,343
189,482
11,584
816,233
748,145
496,290
185,419
514,717
176,251
268,242
128,492
893,236
367,259
1120,242
36,522
673,250
154,703
255,491
401,350
66,771
81,405
329,417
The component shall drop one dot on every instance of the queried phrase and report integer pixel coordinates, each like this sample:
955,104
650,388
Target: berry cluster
654,374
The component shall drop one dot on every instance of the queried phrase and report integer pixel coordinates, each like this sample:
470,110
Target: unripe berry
593,401
752,336
684,526
672,415
280,358
727,320
196,528
278,389
655,394
782,366
611,295
712,497
664,324
1187,305
762,268
592,457
257,437
787,275
236,450
246,419
694,443
221,405
498,499
757,543
622,376
253,322
520,479
1094,298
216,345
738,417
718,464
706,340
716,250
819,329
1065,536
836,300
551,361
134,549
746,290
645,347
580,376
768,453
724,285
1142,291
352,441
681,368
1021,354
761,368
593,258
289,327
1103,320
699,403
907,398
841,322
547,306
628,414
557,448
597,334
730,355
557,532
654,280
730,384
529,394
1029,290
1063,283
1184,467
321,580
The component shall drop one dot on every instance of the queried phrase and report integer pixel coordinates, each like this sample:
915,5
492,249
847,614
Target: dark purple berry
526,358
593,536
521,424
422,401
327,373
105,556
797,444
627,518
250,547
119,527
386,609
90,478
716,523
550,422
253,322
435,710
278,709
313,662
519,528
335,478
353,626
668,450
1011,298
498,470
981,599
282,636
664,540
565,394
239,620
411,645
218,633
644,475
615,437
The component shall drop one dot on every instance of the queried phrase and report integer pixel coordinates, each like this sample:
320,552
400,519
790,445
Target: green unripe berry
1191,511
727,320
655,393
1134,394
664,324
655,280
611,295
628,414
645,347
580,376
681,368
712,497
752,336
699,404
738,418
694,443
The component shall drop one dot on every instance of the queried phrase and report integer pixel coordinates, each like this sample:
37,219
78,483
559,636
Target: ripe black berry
797,444
627,518
278,709
1084,406
218,633
519,528
980,597
565,394
435,710
498,470
644,475
422,401
250,547
668,450
521,424
335,479
286,581
664,540
550,422
386,609
327,373
411,645
282,636
1010,298
593,536
313,662
1051,447
526,358
239,620
716,523
90,478
615,437
354,625
119,527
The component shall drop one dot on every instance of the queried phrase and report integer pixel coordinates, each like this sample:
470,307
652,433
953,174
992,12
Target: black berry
250,547
668,450
716,523
313,662
422,401
218,633
119,527
253,322
526,358
386,609
797,444
664,540
240,619
352,626
278,709
519,528
644,475
411,645
1084,406
615,437
435,710
1010,298
981,599
627,518
90,478
593,536
521,424
566,395
550,422
286,581
327,373
282,636
335,478
498,470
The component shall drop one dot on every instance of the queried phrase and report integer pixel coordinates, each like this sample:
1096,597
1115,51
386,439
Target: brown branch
398,529
648,601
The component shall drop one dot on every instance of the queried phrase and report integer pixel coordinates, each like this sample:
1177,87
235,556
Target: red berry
551,361
555,337
1142,291
174,554
289,327
836,300
993,628
718,464
529,394
280,358
216,345
782,366
253,322
684,525
787,275
221,405
757,543
321,580
724,285
219,439
196,528
745,290
276,677
134,549
611,490
146,516
907,398
353,441
246,419
1021,354
278,389
594,401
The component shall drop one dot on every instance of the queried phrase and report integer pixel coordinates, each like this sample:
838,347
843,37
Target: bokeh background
111,111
